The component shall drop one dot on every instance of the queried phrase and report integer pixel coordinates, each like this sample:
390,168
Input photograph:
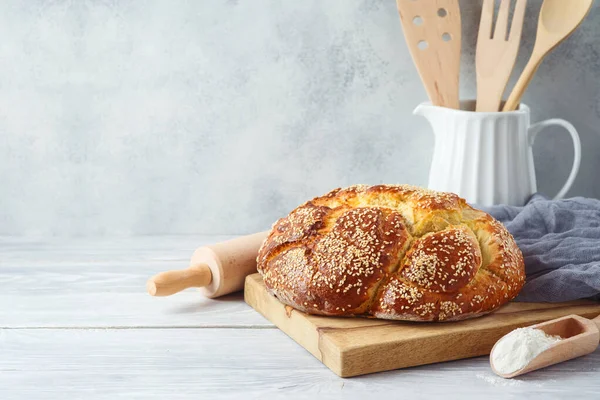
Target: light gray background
148,117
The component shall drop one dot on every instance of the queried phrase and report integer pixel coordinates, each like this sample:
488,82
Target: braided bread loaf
393,252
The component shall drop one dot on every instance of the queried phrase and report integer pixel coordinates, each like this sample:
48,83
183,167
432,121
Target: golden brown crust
393,252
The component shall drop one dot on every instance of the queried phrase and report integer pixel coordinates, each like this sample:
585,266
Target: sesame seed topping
407,252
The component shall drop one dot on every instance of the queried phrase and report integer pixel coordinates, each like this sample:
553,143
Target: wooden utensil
557,20
432,30
218,269
496,54
580,337
357,346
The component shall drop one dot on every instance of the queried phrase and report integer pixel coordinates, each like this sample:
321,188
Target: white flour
515,350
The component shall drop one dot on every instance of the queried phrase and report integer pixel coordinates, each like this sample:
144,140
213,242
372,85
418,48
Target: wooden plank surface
357,346
141,349
240,363
102,282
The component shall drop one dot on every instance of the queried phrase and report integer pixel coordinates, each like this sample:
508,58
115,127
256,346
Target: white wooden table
75,322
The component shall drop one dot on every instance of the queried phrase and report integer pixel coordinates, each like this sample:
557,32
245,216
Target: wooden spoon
496,54
432,30
580,337
557,20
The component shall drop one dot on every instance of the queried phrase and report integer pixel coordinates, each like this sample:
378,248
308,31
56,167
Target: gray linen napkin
560,240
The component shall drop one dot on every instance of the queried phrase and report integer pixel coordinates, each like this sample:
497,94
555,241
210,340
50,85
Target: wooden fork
496,55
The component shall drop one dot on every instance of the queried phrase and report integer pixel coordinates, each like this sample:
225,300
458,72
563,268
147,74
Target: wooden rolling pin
218,269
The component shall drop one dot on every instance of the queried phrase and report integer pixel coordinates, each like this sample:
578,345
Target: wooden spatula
580,337
432,30
497,53
557,20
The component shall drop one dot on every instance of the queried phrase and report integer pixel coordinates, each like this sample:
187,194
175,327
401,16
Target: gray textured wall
148,117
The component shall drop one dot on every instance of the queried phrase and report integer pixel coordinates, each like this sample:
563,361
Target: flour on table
515,350
497,381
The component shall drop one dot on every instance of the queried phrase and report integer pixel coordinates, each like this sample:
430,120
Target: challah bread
393,252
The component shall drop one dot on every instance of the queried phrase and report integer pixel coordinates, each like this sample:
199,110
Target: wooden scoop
432,30
580,336
557,20
217,269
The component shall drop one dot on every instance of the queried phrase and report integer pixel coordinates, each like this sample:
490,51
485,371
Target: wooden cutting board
357,346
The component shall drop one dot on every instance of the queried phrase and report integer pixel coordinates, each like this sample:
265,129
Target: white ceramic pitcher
486,157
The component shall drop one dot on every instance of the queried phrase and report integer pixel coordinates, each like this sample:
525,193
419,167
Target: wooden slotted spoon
557,20
432,30
496,55
580,336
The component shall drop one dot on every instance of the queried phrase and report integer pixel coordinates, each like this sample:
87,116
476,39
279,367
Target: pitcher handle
539,126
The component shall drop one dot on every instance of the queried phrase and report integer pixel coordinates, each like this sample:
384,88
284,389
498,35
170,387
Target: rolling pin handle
171,282
597,321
